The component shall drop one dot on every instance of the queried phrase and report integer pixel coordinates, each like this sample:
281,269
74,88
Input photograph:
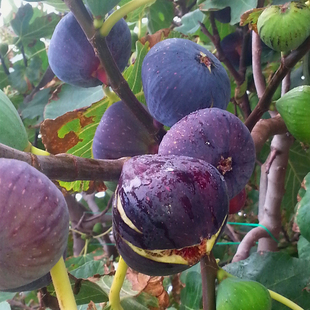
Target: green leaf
102,7
279,272
41,27
298,166
237,7
303,246
191,294
190,22
160,15
35,108
70,98
303,209
22,18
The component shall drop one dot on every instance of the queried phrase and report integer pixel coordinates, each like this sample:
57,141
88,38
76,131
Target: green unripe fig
284,27
12,130
294,107
239,294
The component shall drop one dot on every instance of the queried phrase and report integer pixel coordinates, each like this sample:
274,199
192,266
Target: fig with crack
284,27
34,225
168,212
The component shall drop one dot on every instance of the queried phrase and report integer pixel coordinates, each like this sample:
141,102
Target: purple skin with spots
120,134
34,221
175,201
72,57
211,134
176,82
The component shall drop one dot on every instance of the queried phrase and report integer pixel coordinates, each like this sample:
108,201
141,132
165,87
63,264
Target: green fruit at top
294,107
12,130
284,27
238,294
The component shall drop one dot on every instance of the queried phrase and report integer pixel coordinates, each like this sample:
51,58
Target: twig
286,65
66,167
259,79
248,242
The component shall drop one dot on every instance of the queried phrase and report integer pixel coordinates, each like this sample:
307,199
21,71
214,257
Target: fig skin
223,15
216,136
179,77
284,27
72,57
120,134
240,294
34,223
165,204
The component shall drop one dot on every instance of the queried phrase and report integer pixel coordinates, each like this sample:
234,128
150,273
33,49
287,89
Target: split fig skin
168,210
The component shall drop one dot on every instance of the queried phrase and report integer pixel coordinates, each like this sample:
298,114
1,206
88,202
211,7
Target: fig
284,27
34,224
168,212
232,47
239,294
12,130
294,107
237,203
179,77
218,137
72,57
120,134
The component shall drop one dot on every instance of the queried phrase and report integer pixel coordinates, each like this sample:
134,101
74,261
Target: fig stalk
62,286
283,300
120,13
114,295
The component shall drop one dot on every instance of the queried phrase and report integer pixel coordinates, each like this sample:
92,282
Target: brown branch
248,242
270,211
266,128
286,65
66,167
258,76
208,267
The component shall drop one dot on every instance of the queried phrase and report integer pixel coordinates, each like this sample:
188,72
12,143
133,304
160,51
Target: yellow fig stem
62,286
34,150
114,295
283,300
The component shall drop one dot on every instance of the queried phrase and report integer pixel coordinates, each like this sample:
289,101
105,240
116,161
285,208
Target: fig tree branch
287,64
258,76
66,167
116,80
248,242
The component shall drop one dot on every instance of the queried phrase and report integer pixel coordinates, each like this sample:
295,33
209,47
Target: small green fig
239,294
294,107
284,27
12,130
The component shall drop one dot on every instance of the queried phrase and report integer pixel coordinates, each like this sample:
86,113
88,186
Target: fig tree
179,77
34,225
218,137
72,57
168,212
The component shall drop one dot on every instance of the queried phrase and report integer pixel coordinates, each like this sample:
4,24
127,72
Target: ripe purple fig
72,57
219,138
179,77
168,212
34,224
120,134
